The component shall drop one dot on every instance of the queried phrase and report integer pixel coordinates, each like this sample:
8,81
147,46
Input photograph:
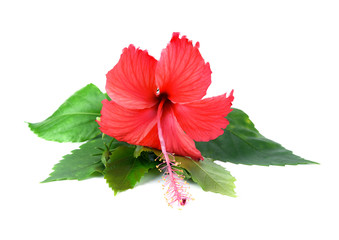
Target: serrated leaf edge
233,179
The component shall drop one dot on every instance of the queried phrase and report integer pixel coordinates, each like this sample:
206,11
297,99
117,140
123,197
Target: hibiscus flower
159,104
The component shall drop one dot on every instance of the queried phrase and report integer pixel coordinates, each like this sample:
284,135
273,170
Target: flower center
163,101
162,96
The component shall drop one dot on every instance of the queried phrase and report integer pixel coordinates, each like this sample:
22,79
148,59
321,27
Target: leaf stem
110,144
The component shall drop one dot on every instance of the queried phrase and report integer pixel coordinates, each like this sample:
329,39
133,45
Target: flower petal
131,83
127,125
139,127
181,72
176,140
151,139
204,120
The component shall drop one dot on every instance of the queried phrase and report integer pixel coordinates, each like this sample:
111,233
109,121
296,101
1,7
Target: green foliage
74,121
209,175
241,143
84,162
80,164
123,170
123,165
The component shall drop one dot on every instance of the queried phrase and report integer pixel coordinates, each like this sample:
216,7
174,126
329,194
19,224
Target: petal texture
131,83
181,72
127,125
176,140
204,120
151,139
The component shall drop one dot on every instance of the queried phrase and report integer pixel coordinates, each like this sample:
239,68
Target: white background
280,57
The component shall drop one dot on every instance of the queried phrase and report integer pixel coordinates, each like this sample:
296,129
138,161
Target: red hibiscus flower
149,95
159,104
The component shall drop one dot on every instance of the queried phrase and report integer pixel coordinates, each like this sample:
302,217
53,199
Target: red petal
127,125
131,83
176,140
152,138
181,72
138,127
204,120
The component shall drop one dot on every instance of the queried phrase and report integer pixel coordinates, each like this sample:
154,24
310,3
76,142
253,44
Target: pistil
175,191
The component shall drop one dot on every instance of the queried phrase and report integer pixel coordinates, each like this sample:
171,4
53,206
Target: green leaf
80,164
74,121
209,175
123,170
84,162
241,143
